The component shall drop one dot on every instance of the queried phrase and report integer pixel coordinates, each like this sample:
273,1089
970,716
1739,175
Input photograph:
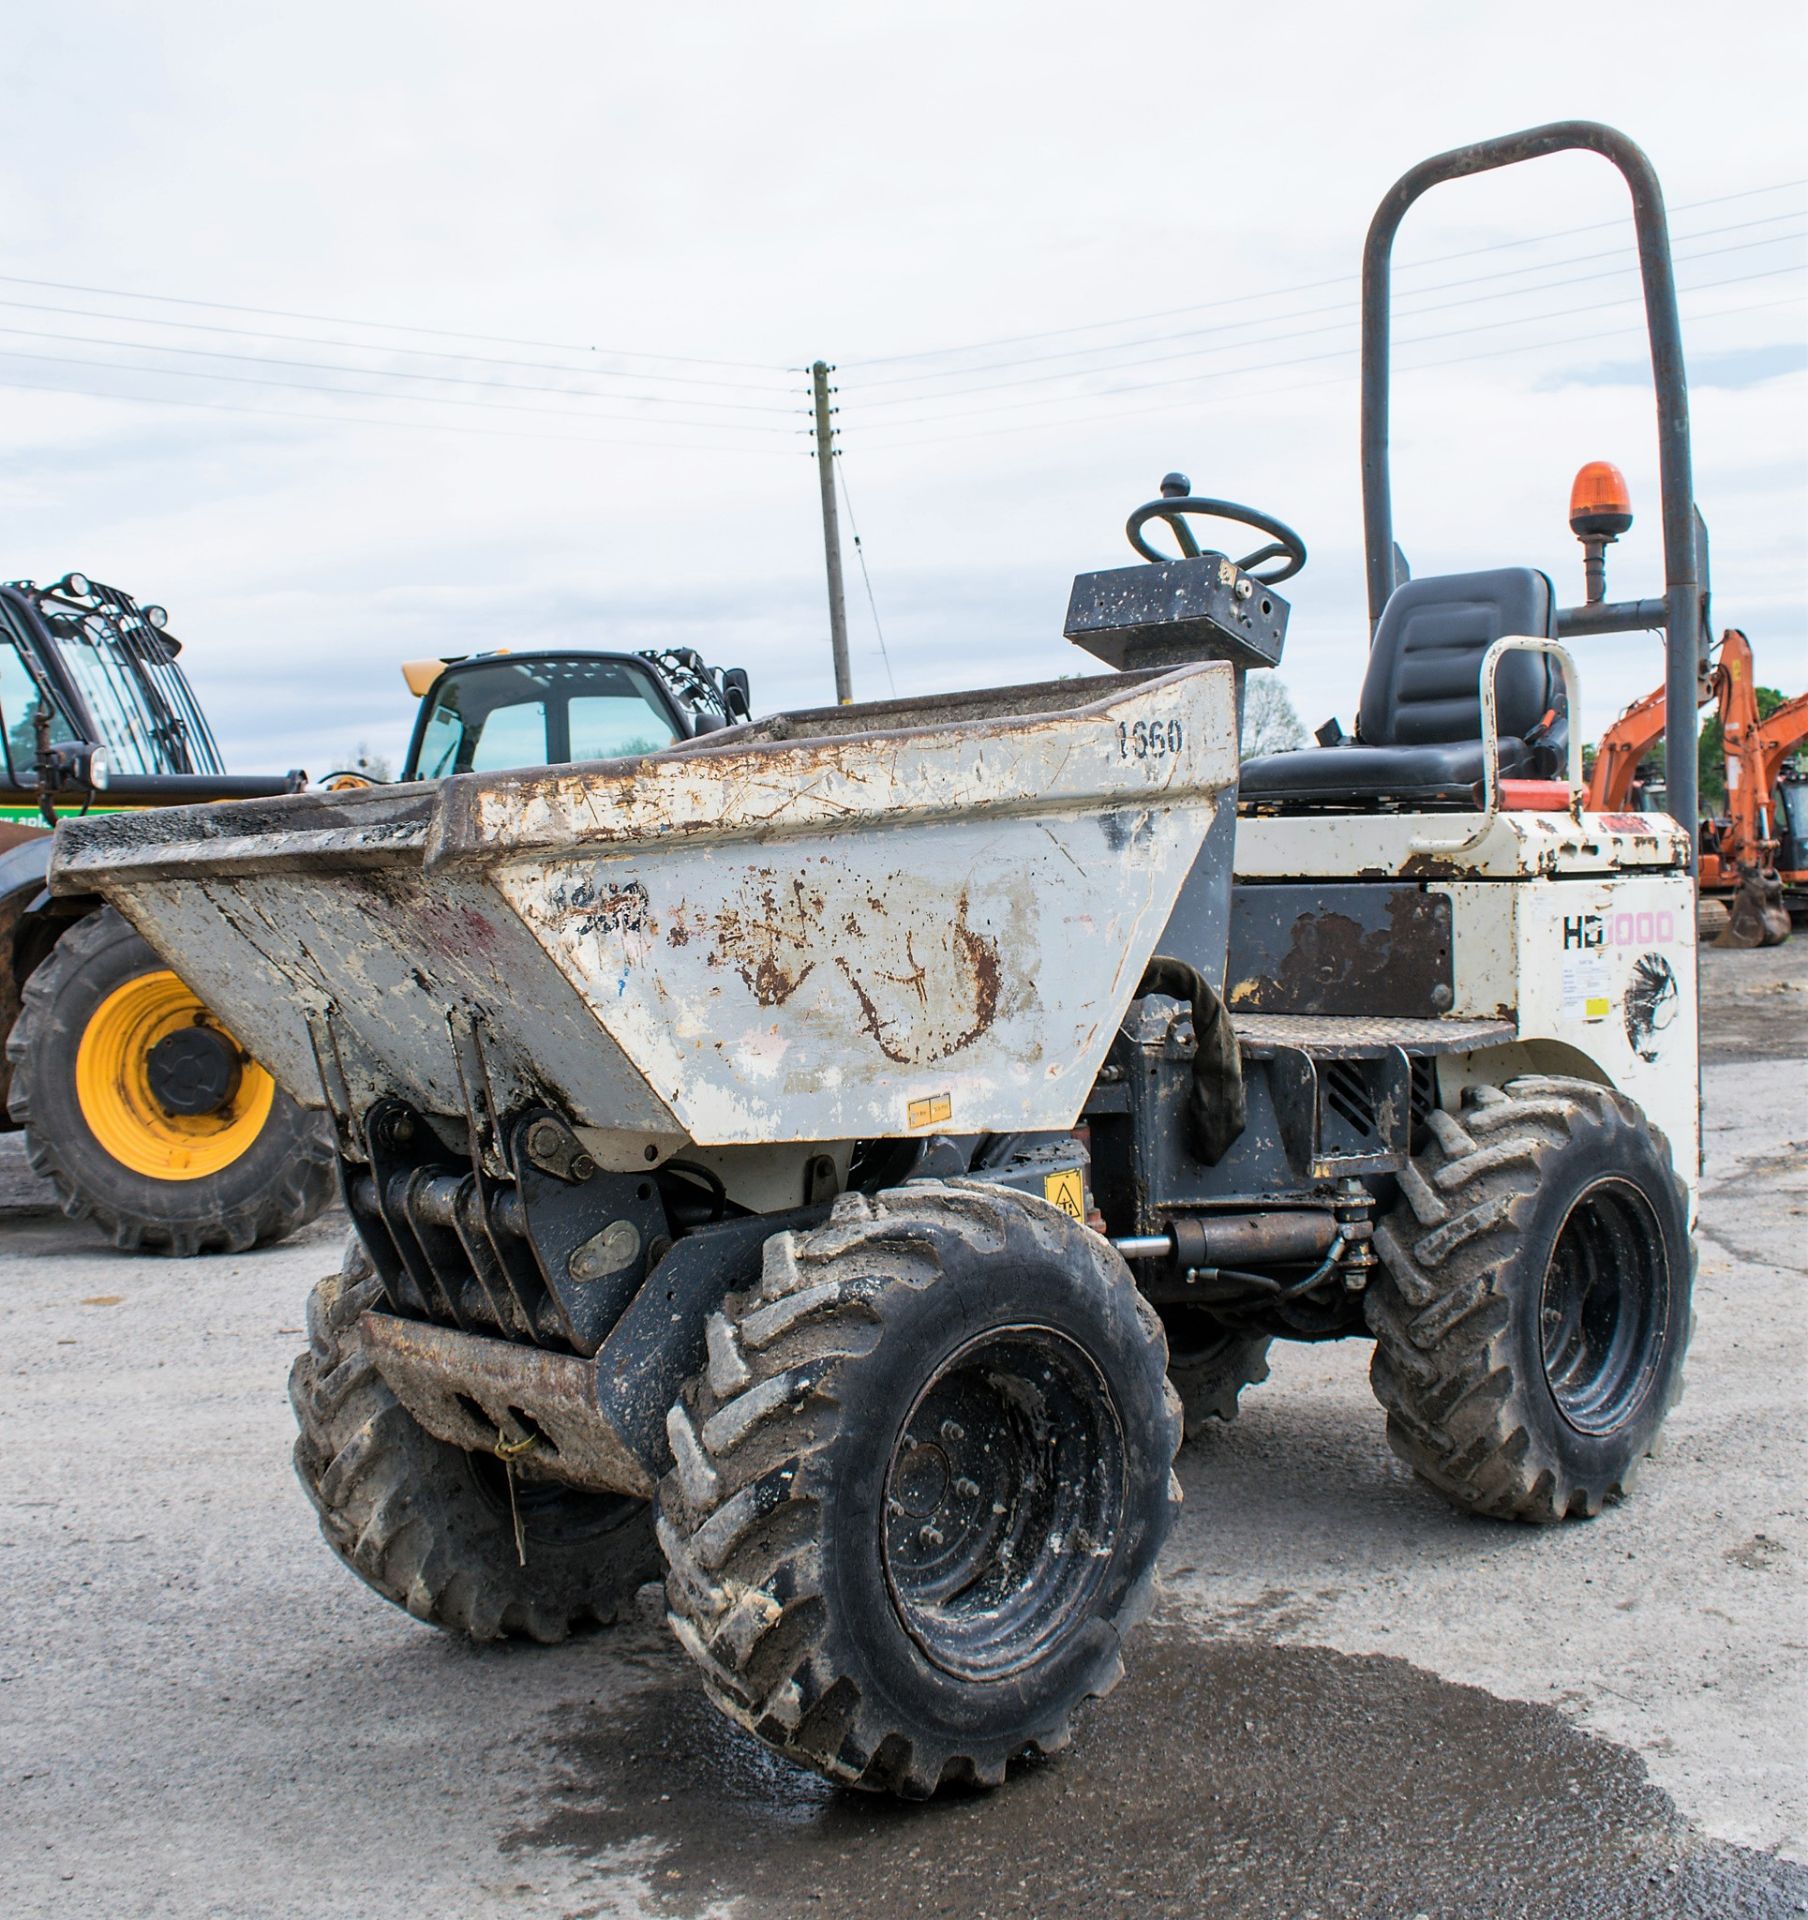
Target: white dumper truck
825,1161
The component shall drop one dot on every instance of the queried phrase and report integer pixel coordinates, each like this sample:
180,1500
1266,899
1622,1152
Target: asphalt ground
1352,1700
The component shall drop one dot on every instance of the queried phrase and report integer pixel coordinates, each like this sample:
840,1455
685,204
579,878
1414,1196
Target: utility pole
831,531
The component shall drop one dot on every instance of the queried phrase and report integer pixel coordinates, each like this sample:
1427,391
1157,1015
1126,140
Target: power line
1305,386
1331,353
362,393
362,346
358,420
860,555
385,326
516,386
379,373
387,376
1304,286
1305,313
1303,333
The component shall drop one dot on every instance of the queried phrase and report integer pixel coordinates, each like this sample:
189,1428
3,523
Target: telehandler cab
139,1105
144,1112
545,706
799,1159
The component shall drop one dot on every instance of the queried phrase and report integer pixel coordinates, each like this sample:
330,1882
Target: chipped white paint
1607,969
1514,846
1581,932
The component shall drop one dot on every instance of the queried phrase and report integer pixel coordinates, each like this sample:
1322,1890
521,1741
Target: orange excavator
1755,856
1756,848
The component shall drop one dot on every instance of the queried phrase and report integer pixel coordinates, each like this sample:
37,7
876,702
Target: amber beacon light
1599,503
1600,510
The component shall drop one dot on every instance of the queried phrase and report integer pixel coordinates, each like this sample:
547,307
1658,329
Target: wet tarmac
1286,1782
203,1717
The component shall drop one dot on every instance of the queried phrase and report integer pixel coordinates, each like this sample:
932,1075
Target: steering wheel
1178,500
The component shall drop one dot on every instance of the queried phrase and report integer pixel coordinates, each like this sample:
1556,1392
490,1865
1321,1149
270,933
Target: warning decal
931,1112
1067,1191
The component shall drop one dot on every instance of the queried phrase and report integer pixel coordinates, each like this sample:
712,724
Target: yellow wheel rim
113,1085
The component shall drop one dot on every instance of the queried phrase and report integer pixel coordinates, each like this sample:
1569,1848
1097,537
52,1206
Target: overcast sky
1110,241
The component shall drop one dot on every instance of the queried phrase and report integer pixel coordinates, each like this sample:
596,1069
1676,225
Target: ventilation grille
1350,1097
1424,1099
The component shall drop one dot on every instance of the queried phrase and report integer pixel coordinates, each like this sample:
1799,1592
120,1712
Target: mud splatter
770,944
962,968
981,957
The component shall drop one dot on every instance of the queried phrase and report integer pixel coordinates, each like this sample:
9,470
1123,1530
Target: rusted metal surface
908,918
446,1380
1352,948
15,833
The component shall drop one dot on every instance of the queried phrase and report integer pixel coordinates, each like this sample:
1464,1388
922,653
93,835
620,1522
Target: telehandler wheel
146,1115
1210,1365
1532,1307
920,1487
430,1526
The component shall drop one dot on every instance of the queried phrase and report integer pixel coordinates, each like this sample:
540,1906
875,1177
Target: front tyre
431,1527
144,1112
919,1490
1533,1304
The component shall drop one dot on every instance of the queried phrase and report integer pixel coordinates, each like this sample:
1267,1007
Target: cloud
727,183
1738,368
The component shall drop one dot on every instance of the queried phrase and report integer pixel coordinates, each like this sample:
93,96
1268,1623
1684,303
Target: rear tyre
1533,1304
146,1115
919,1490
1210,1366
429,1526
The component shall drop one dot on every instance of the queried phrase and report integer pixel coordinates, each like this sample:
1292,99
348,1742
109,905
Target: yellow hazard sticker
1596,1009
931,1112
1067,1191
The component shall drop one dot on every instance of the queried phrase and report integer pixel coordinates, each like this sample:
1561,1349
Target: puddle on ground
1225,1777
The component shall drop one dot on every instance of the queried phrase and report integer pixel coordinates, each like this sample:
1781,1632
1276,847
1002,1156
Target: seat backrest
1423,685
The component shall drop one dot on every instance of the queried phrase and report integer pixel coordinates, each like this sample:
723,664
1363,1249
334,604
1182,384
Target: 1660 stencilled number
1149,739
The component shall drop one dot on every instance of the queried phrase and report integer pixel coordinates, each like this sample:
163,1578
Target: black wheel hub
1604,1306
1003,1501
193,1071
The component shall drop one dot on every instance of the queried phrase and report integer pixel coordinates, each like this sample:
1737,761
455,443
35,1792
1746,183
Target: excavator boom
1779,736
1622,747
1739,853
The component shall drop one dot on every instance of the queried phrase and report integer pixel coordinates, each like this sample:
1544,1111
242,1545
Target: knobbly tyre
140,1107
722,1127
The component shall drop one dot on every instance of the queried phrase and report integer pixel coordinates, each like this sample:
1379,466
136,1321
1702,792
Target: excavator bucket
1756,914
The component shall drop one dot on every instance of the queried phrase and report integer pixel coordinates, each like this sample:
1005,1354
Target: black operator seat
1419,733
